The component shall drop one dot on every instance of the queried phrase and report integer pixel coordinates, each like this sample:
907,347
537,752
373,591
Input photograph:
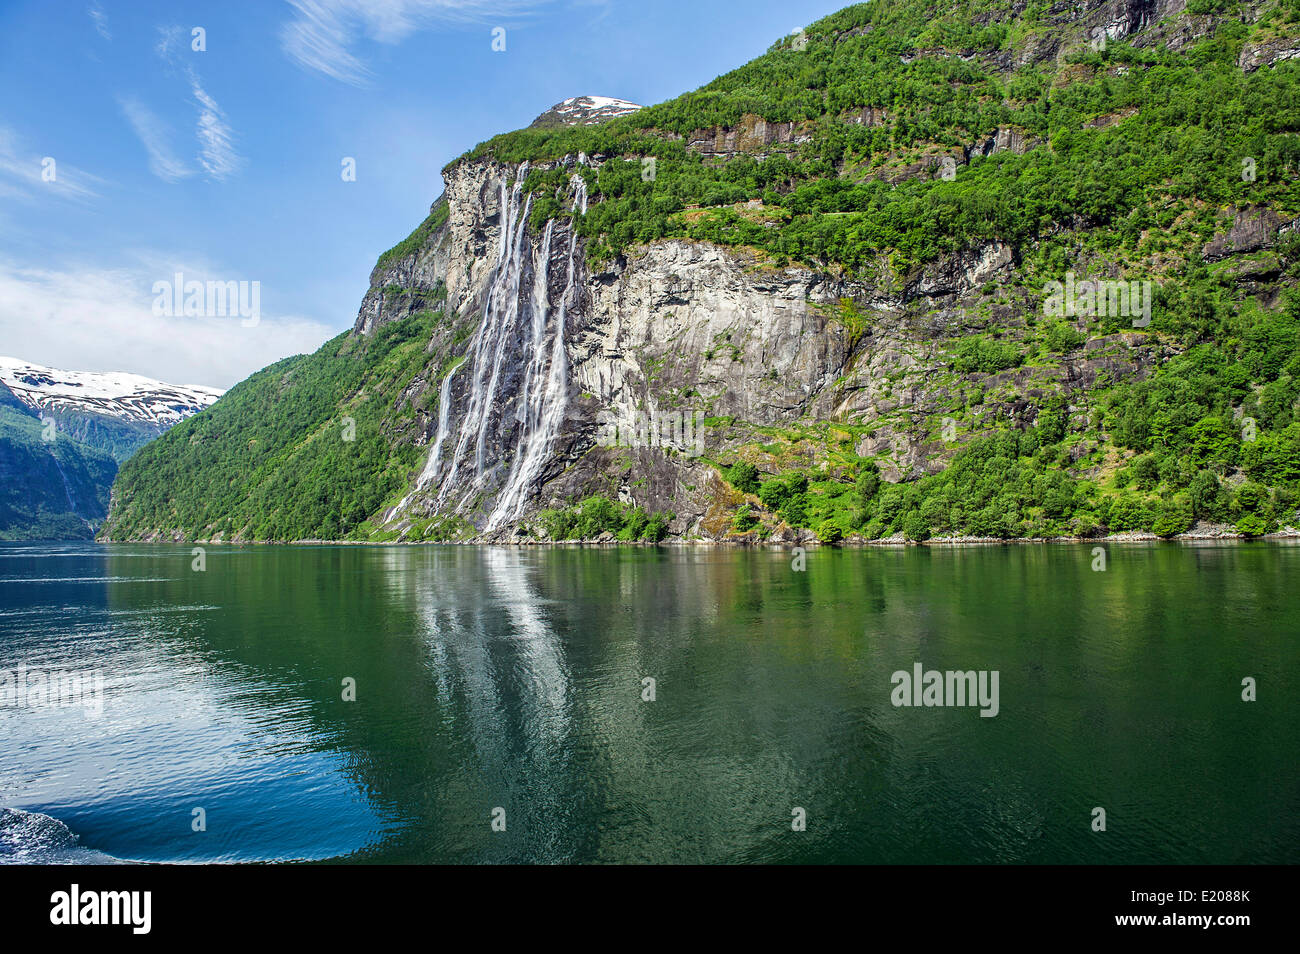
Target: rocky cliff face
680,352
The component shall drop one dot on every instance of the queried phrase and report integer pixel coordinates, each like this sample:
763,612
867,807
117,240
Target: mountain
112,411
62,436
10,400
974,270
584,111
51,487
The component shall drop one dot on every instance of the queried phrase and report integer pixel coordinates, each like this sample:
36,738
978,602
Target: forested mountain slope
51,486
923,270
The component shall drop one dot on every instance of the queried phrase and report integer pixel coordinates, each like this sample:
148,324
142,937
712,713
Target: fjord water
508,678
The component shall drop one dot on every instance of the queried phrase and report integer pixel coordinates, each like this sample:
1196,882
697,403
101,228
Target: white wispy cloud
318,37
321,33
100,19
23,173
155,136
217,157
216,140
94,318
170,40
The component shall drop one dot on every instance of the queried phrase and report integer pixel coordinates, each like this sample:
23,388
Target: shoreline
801,539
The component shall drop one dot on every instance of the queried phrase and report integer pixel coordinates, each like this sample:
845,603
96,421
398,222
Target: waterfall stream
67,487
546,388
435,455
519,344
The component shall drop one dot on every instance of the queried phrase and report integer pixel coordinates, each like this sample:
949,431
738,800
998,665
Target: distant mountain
113,393
585,111
10,400
113,411
51,487
63,435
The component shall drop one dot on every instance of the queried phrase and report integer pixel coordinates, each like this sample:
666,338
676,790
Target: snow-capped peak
585,111
116,394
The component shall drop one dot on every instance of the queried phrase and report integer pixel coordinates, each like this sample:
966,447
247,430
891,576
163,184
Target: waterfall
541,295
435,456
67,488
500,313
517,355
545,400
430,470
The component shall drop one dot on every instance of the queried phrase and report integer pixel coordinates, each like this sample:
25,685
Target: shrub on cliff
597,515
744,520
744,477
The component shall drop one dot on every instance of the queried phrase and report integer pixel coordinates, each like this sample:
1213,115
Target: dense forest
1186,122
301,450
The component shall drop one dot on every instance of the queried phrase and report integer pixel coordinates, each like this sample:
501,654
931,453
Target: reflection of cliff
544,656
513,678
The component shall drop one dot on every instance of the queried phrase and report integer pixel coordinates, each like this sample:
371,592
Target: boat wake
30,838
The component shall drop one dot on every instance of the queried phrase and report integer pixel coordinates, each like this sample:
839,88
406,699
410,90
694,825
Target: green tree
744,477
1173,516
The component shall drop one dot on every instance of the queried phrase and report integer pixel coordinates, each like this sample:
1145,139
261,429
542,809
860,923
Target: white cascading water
500,312
538,304
546,389
543,393
444,413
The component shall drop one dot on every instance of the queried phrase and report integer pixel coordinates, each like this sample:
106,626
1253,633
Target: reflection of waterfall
497,650
546,705
517,356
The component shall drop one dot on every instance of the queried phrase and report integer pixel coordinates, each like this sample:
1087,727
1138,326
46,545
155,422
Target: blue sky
224,164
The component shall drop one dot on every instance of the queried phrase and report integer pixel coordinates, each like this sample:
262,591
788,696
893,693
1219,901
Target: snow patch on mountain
585,111
127,397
